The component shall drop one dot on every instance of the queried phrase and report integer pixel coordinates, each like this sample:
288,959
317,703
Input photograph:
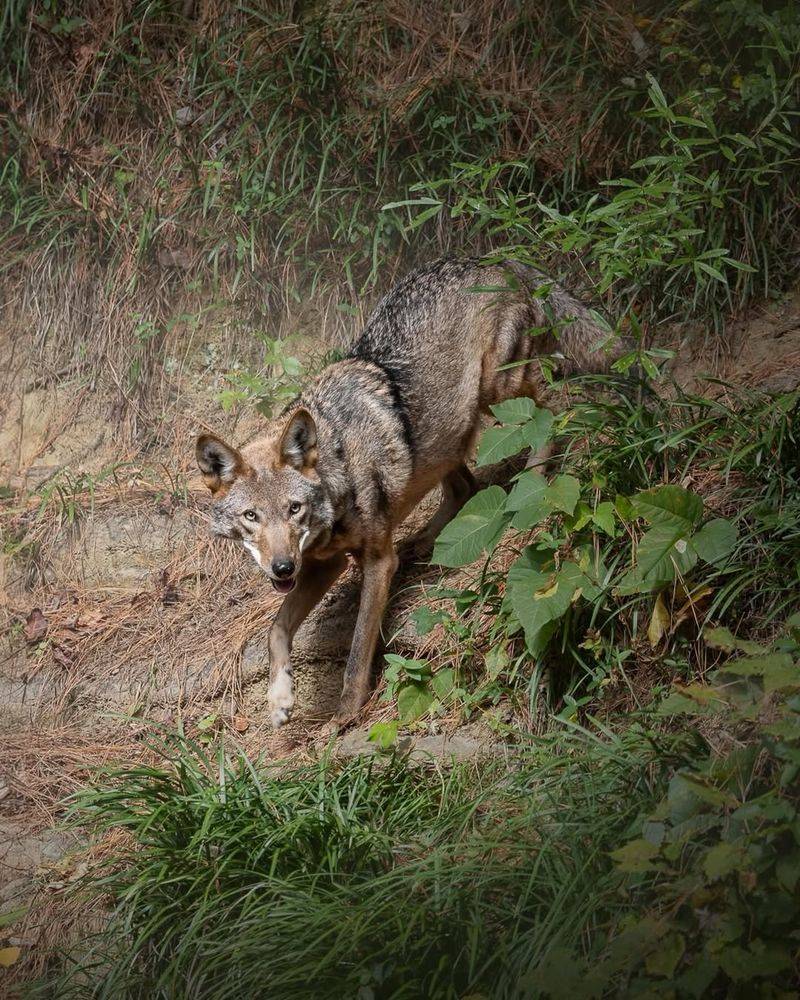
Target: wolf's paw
279,716
280,699
349,709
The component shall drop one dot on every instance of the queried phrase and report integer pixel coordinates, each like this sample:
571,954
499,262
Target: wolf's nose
282,568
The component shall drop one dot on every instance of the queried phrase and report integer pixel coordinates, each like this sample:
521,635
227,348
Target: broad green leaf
682,802
540,599
536,431
654,833
720,638
715,541
724,639
778,670
698,977
529,489
413,701
498,443
624,508
563,493
476,528
694,699
559,974
416,670
443,682
425,619
581,516
528,500
636,856
787,870
516,411
638,938
663,960
701,789
743,965
669,506
722,859
603,517
384,734
663,551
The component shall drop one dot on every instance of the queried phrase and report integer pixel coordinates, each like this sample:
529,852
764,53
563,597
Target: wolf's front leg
378,573
313,581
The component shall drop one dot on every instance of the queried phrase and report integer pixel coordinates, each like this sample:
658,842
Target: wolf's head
269,495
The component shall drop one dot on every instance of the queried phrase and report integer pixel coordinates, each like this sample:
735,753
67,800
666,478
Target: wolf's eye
249,515
294,506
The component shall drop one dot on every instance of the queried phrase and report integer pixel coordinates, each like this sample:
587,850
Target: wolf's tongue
283,586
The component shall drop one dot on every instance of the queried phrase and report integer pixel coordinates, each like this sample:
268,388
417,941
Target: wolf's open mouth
283,586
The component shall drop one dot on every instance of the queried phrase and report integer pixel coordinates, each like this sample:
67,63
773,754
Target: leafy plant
278,380
715,868
415,685
577,540
577,559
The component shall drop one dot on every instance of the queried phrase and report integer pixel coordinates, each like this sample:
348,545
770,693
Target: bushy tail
579,336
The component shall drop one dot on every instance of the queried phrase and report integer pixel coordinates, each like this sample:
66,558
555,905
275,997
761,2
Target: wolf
348,460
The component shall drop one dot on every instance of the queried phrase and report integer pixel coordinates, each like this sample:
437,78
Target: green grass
603,862
372,875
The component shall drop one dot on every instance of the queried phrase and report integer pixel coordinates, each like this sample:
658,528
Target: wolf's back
456,336
453,303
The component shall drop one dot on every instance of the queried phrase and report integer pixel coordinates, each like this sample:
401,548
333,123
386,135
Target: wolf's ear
219,463
298,443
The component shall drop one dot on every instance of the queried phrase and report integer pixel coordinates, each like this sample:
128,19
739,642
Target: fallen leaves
35,627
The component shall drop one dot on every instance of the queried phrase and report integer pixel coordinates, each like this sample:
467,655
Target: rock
116,550
460,745
443,747
23,852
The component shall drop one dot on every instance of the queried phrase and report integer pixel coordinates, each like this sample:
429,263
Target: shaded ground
118,609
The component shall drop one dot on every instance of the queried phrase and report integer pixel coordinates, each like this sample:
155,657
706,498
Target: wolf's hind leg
314,580
457,487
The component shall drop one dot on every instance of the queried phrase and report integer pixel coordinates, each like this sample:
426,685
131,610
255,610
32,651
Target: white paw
280,699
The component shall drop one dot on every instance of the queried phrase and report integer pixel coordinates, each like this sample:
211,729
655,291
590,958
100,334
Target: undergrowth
671,511
288,162
644,861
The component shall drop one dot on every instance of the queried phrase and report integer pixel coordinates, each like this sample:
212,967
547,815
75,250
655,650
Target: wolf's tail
575,333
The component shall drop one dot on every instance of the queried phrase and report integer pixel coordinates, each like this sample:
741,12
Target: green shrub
715,871
603,559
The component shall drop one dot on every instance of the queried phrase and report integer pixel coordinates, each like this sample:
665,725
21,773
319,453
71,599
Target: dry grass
143,141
